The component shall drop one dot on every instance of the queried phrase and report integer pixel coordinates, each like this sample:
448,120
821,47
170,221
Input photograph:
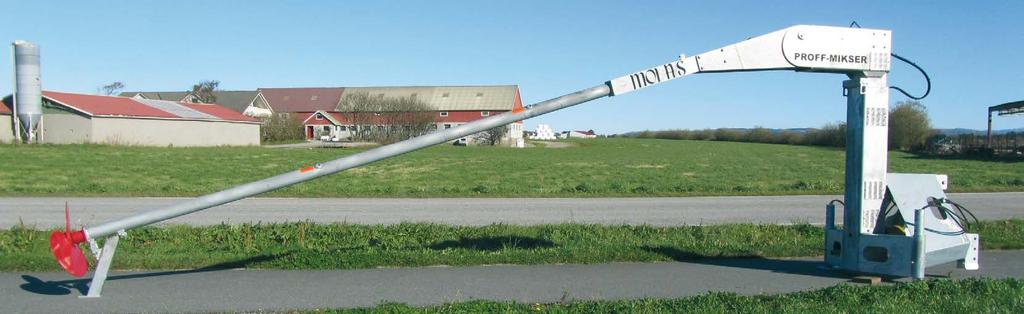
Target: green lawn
602,167
933,296
342,246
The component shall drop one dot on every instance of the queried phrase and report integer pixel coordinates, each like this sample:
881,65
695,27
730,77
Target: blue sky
971,49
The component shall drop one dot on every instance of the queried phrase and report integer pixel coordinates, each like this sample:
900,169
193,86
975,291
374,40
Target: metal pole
830,216
988,136
918,259
14,96
337,165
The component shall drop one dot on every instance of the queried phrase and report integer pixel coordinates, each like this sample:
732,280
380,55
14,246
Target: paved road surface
270,290
669,211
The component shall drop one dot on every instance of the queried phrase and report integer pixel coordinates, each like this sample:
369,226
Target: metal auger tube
341,164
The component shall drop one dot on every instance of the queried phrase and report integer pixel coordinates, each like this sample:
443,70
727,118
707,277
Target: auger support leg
102,267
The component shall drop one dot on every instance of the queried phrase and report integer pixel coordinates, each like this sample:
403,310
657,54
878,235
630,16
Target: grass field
933,296
340,246
601,167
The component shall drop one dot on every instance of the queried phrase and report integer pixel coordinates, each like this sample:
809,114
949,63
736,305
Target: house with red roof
81,118
449,106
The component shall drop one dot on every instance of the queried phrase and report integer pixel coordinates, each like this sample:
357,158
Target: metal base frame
860,247
99,276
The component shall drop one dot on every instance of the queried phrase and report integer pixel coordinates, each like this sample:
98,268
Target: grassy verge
933,296
340,246
590,168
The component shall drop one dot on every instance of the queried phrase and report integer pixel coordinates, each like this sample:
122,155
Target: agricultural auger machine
922,231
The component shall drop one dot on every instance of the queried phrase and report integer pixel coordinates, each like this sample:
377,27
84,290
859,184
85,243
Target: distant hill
961,131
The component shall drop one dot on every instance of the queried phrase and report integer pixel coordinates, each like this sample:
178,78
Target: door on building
309,132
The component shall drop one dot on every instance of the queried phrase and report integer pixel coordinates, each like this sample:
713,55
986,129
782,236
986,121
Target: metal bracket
970,262
103,266
95,248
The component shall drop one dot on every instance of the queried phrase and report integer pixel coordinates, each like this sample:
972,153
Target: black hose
926,78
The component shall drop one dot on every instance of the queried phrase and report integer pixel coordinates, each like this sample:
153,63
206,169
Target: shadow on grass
786,266
493,243
63,287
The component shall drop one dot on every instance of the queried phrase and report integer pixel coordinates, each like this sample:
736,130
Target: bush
832,134
281,128
760,135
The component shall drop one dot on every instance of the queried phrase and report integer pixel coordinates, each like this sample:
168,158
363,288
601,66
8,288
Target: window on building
327,128
444,113
319,116
342,128
447,126
485,113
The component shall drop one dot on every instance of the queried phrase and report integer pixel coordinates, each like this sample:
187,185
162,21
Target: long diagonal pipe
337,165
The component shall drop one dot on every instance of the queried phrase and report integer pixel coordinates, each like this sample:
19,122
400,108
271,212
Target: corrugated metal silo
28,96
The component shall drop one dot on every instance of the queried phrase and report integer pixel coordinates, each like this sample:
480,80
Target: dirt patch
552,144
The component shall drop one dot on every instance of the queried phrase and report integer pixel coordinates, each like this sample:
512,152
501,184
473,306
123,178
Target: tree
112,88
386,120
203,92
909,126
493,136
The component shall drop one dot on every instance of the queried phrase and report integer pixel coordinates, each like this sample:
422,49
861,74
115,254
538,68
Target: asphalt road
270,290
669,211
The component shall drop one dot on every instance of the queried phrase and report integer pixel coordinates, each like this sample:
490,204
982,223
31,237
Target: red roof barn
81,118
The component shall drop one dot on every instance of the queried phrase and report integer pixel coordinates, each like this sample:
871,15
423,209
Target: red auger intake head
64,245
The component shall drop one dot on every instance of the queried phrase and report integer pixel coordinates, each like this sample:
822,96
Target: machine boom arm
861,54
856,51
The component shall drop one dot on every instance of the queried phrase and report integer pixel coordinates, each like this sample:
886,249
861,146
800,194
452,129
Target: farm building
450,106
236,100
580,134
298,101
79,118
6,122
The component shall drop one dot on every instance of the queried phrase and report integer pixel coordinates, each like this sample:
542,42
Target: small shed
581,134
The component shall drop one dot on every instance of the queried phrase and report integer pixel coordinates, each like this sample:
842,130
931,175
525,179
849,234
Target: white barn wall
6,128
66,128
156,132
